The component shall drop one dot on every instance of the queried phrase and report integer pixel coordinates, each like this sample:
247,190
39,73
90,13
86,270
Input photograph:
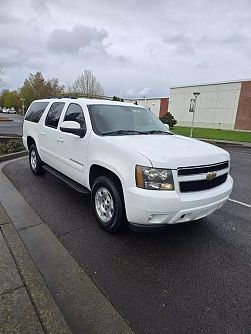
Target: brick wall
243,116
163,106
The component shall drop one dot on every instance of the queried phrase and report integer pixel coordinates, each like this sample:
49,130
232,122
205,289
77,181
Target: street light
192,108
145,101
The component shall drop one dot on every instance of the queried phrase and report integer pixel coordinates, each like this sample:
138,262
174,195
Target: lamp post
196,94
145,101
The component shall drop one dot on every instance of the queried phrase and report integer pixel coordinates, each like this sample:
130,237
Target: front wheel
36,164
108,204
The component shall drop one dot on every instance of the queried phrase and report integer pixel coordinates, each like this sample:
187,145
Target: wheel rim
33,159
104,204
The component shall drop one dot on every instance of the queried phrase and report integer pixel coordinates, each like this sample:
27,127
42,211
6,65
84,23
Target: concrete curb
226,142
12,156
10,136
73,290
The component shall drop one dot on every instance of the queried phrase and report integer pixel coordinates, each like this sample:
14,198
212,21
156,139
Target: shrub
12,146
168,119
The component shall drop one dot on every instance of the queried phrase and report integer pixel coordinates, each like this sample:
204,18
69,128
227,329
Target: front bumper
153,207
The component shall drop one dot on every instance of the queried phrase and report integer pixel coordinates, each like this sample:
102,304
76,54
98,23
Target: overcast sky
135,48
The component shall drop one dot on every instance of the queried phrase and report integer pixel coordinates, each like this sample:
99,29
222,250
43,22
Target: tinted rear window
35,111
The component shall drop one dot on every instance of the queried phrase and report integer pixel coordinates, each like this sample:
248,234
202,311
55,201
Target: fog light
157,219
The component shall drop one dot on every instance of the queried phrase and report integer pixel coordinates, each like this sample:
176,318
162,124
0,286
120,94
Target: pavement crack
11,290
25,228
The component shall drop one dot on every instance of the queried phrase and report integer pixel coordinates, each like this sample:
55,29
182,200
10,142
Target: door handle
42,133
60,140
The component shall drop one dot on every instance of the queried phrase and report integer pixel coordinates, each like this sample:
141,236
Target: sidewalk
26,305
42,287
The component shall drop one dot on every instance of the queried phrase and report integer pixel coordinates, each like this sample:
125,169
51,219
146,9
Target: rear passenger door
72,148
49,135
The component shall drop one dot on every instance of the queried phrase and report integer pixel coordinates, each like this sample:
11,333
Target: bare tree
87,84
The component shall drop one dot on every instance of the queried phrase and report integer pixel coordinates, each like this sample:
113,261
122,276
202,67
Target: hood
172,151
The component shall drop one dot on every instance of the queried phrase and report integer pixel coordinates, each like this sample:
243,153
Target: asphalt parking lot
190,278
14,127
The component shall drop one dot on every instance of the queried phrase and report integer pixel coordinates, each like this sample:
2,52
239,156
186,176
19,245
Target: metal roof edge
212,83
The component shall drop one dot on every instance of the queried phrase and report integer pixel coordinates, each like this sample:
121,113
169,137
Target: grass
217,134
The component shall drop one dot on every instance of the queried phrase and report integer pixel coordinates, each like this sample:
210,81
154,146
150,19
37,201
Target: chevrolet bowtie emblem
211,175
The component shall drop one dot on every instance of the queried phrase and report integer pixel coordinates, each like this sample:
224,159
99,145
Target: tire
36,164
108,204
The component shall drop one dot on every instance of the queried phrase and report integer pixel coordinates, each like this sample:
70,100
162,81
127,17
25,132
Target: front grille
197,185
202,169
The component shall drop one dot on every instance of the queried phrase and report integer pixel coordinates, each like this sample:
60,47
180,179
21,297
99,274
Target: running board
73,184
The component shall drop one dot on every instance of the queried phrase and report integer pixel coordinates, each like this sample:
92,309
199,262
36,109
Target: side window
53,115
35,111
75,113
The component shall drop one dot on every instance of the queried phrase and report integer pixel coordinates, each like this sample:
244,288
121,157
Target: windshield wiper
123,132
157,132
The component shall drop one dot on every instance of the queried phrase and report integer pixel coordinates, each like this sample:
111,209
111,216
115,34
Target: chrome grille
198,178
202,169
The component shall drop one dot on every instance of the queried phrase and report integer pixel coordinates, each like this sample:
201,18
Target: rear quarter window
35,111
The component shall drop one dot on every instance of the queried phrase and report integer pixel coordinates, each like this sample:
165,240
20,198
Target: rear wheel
36,163
108,204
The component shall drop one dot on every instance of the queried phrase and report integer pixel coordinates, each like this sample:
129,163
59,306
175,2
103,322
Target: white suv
136,170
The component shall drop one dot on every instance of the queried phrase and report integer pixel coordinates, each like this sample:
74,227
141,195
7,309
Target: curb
82,304
12,156
226,142
10,136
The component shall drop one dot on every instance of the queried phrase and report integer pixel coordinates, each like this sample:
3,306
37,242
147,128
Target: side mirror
73,127
166,125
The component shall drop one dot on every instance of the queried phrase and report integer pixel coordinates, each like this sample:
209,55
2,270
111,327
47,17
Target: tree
87,84
116,98
168,119
10,99
36,87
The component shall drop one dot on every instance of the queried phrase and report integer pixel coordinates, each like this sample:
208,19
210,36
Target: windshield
124,120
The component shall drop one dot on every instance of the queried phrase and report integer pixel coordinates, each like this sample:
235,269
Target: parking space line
241,203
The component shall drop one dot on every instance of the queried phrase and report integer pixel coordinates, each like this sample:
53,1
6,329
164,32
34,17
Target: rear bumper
149,207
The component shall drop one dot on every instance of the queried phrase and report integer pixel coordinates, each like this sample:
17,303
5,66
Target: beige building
157,105
220,105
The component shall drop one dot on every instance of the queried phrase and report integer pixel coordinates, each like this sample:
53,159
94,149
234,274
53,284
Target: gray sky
135,48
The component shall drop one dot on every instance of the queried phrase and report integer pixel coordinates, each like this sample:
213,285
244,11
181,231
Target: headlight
154,178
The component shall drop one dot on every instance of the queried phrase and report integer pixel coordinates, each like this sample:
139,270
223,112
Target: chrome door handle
42,133
60,140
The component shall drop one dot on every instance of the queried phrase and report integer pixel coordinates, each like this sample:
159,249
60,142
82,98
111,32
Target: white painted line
241,203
